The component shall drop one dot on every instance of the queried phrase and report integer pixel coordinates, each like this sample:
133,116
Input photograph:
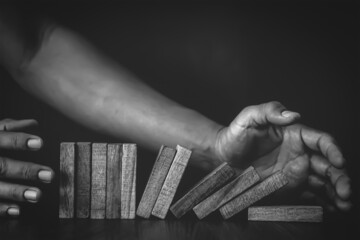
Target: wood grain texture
286,213
98,181
210,183
264,188
113,181
82,179
171,182
128,181
242,182
156,180
67,180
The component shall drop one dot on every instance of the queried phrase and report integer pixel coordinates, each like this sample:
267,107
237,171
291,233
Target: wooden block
171,182
113,181
128,181
266,187
156,180
67,180
203,189
286,213
98,181
242,182
83,179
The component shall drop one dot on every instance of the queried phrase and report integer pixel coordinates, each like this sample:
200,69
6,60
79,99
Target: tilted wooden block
266,187
128,181
156,180
113,181
67,180
242,182
286,213
83,179
171,182
98,181
203,189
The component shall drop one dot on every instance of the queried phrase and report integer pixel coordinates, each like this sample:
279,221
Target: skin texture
74,78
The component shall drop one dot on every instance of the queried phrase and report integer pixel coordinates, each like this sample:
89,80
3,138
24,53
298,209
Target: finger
20,141
324,143
337,177
319,200
15,125
20,193
13,169
8,209
316,181
343,205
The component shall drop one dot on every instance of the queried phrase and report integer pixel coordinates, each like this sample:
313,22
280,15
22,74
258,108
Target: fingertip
343,205
34,143
46,175
290,114
343,187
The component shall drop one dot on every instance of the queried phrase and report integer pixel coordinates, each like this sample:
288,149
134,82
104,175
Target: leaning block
67,180
83,179
113,181
128,181
171,183
203,189
242,182
286,213
156,180
98,181
266,187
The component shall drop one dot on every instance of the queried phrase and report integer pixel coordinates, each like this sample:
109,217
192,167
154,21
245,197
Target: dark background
215,58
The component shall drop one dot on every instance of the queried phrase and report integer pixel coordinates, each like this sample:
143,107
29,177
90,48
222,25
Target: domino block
156,180
67,180
266,187
286,213
98,181
128,181
203,189
113,181
83,179
242,182
171,182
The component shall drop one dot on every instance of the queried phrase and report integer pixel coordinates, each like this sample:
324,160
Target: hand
10,169
263,137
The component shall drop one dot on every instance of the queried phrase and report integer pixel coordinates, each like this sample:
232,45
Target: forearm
74,78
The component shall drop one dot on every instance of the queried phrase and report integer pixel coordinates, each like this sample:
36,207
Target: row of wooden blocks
107,189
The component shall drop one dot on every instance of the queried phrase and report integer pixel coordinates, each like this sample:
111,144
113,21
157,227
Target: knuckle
28,172
15,193
3,167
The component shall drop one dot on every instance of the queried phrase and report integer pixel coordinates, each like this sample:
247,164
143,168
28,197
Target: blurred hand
264,136
10,193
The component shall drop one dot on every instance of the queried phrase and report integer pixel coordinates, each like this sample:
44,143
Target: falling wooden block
128,181
171,182
156,180
113,181
98,181
242,182
286,213
83,179
266,187
203,189
67,180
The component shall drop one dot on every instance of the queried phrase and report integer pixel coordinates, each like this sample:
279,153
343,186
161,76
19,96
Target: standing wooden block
128,181
98,181
269,185
113,181
156,180
171,183
242,182
67,180
203,189
83,179
286,213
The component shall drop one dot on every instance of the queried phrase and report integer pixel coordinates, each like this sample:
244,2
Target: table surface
187,228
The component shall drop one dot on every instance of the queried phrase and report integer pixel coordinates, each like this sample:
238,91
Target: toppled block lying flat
286,213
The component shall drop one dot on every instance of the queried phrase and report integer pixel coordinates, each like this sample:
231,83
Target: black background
215,58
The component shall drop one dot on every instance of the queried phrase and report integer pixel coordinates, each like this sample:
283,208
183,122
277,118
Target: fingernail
287,114
34,143
12,211
45,176
31,195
